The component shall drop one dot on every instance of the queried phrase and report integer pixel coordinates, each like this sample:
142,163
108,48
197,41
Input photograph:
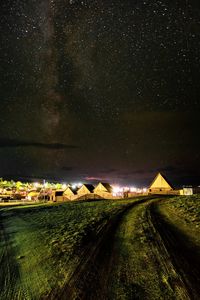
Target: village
49,229
11,191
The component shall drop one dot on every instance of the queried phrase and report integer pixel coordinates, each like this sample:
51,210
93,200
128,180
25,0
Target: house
186,191
85,189
70,193
160,186
104,190
57,196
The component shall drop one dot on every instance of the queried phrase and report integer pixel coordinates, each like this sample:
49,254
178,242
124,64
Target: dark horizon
174,180
100,89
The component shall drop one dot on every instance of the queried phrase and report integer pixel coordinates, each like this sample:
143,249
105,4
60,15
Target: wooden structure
104,190
85,189
160,186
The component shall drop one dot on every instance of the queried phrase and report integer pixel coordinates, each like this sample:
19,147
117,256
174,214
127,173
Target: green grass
184,214
40,245
179,218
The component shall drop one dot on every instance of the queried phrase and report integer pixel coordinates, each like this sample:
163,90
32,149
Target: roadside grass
184,213
179,221
41,245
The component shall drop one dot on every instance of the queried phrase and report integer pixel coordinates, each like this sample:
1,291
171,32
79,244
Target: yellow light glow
116,189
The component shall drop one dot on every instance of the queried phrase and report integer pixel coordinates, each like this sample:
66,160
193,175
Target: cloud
108,171
94,178
13,143
140,171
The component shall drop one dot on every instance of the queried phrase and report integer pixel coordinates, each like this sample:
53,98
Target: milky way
118,80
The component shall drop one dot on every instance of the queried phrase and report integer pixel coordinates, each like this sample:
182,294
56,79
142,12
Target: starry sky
103,90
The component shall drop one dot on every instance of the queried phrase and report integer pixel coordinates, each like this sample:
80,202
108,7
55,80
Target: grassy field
40,245
44,247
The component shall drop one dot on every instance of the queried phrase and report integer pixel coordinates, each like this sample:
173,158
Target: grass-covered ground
157,261
40,246
179,224
184,214
89,250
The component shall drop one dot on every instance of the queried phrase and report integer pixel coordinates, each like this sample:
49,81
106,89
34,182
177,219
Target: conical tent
160,183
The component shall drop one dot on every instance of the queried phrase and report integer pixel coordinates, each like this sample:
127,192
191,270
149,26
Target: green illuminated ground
40,246
126,249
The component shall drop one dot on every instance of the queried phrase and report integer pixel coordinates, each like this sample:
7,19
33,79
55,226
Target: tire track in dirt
169,283
184,257
163,259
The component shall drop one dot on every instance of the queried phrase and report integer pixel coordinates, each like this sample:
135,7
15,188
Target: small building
160,186
85,189
57,196
186,191
70,193
104,190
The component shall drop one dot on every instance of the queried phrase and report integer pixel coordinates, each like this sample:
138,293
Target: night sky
100,89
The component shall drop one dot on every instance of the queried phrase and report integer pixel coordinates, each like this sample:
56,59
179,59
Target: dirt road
135,256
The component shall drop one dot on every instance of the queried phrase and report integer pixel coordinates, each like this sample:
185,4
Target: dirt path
137,254
130,259
89,281
142,266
